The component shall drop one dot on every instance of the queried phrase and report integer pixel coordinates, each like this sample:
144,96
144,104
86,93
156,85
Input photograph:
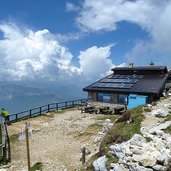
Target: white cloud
25,54
104,14
71,7
95,62
152,15
29,55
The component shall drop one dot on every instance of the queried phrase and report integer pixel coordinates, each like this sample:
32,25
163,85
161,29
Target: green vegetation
120,132
104,117
168,130
148,139
91,130
123,131
154,103
88,166
36,166
110,159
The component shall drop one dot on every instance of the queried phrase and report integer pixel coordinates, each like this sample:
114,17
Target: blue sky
79,41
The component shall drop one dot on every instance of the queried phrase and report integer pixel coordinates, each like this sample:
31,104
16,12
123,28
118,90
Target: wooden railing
44,109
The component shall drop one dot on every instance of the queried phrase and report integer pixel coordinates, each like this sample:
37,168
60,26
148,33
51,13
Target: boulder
158,167
137,140
160,112
160,127
119,150
137,167
145,160
100,164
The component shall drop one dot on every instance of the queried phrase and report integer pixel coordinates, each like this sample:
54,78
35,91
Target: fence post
73,103
16,117
83,154
65,105
30,113
8,142
57,106
40,110
48,108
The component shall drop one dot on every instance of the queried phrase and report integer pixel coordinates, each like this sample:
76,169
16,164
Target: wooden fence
44,109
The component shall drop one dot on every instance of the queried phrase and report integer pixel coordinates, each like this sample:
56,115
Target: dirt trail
56,140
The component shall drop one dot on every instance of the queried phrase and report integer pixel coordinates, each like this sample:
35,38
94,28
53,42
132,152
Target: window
104,97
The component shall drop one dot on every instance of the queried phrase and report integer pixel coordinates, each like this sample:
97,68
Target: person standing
5,114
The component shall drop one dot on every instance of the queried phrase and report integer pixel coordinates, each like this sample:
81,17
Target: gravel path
55,141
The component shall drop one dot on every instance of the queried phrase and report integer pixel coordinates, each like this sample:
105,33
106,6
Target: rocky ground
56,140
150,151
58,137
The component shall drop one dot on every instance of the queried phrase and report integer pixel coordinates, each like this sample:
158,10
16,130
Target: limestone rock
160,127
147,160
158,167
100,164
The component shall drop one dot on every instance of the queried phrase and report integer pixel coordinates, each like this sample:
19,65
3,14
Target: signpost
27,125
3,130
26,134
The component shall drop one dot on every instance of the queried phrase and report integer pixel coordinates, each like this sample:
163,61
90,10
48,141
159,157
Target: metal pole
3,140
27,146
8,142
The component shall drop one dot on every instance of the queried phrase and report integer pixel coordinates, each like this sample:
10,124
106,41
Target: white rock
145,160
128,152
100,164
108,121
137,140
160,127
157,167
161,112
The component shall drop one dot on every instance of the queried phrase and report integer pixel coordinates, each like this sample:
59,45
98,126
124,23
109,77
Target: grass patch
36,166
111,159
14,138
104,117
88,166
168,118
91,130
168,130
123,131
148,139
120,132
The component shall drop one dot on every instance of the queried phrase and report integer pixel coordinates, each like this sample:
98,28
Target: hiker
5,114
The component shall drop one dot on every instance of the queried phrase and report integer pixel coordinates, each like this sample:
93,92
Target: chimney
151,63
131,65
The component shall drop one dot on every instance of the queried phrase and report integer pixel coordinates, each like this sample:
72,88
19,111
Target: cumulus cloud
25,54
95,62
152,16
28,55
104,14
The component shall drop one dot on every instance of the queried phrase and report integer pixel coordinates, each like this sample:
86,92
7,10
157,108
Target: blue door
135,100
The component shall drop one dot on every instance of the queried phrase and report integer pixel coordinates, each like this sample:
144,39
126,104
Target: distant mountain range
17,98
